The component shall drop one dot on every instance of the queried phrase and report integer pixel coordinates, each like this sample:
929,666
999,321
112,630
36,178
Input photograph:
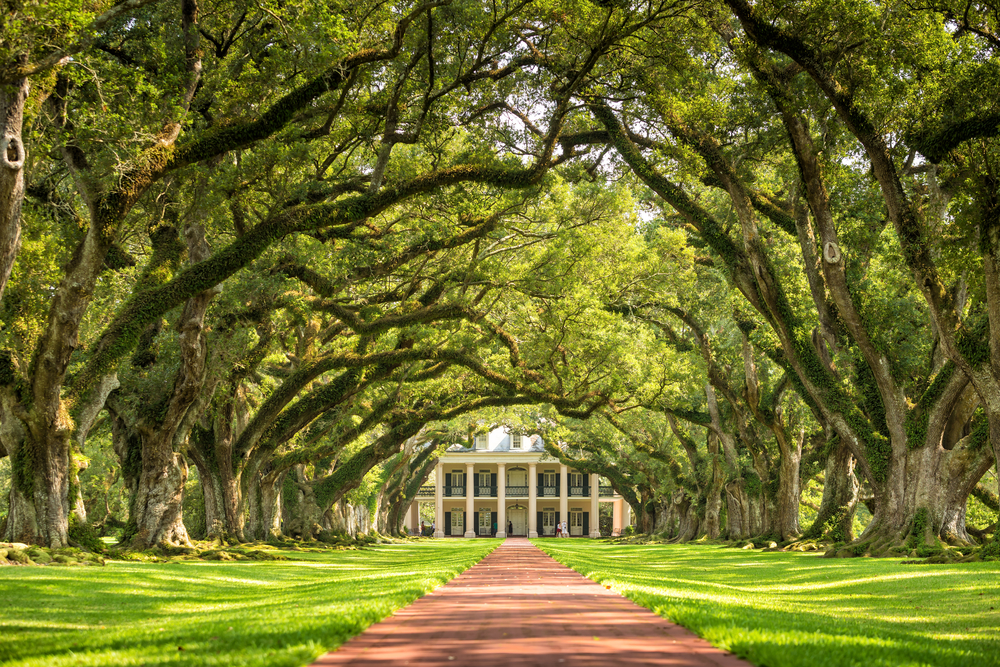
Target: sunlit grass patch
216,613
798,609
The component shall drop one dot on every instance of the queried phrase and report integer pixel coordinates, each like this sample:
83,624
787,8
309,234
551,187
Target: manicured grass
216,613
791,609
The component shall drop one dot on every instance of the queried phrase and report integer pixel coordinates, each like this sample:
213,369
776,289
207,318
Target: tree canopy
724,254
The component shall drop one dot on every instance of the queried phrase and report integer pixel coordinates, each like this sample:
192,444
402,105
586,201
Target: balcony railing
517,492
580,491
607,491
548,491
454,491
426,491
486,491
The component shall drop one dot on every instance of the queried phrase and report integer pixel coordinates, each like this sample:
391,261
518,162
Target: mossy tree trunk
713,495
684,510
265,509
738,506
835,519
922,502
155,432
420,469
210,447
306,518
39,492
13,95
37,427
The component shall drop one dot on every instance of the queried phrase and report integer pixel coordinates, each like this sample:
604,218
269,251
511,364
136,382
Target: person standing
510,528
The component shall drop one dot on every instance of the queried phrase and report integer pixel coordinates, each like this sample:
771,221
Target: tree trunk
264,508
713,499
211,451
835,519
786,511
215,506
686,510
305,518
156,508
737,510
79,509
211,490
931,508
12,161
756,499
39,503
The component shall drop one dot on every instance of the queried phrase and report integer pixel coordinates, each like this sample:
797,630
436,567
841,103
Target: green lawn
216,613
790,609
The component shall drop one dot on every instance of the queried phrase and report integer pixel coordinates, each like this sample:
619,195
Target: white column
564,495
439,500
616,517
532,501
413,519
470,500
501,500
595,518
626,515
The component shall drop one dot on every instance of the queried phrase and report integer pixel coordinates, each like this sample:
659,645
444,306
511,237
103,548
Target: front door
485,523
457,525
575,523
518,516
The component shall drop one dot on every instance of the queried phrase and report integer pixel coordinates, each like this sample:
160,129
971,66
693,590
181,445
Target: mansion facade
507,480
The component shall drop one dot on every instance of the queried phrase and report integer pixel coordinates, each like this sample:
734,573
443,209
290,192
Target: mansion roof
499,441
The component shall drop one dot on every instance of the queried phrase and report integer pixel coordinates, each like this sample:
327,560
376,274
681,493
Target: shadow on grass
791,609
196,613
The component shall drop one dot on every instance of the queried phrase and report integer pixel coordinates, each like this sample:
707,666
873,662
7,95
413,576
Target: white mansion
508,481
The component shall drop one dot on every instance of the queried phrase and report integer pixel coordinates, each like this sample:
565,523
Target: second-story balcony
486,491
454,491
548,491
579,491
517,491
606,491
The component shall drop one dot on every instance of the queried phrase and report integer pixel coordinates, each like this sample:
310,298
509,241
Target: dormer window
515,441
482,440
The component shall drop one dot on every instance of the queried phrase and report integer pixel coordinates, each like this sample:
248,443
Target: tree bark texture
835,519
40,479
265,508
211,450
713,498
12,161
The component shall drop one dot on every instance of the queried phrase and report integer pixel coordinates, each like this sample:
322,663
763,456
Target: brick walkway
519,607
